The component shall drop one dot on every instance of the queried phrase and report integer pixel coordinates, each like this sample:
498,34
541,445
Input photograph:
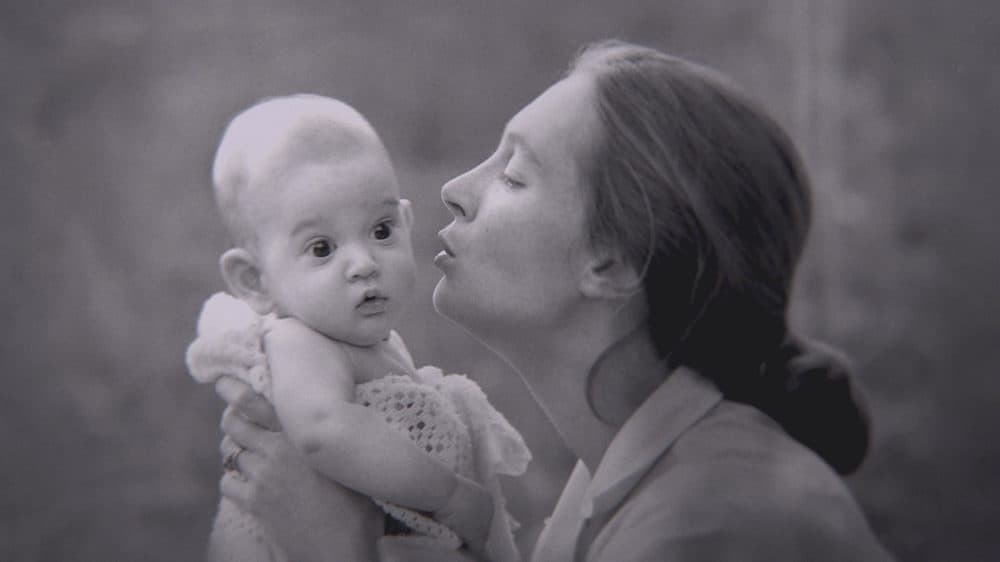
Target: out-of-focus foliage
111,109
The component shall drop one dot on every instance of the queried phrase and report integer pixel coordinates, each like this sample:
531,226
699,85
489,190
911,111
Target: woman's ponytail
806,387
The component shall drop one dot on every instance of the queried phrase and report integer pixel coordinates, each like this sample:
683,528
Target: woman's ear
239,269
608,276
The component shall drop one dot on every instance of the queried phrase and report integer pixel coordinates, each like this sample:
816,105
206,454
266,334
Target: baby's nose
362,266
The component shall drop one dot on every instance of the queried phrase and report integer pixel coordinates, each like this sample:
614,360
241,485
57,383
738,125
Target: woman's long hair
707,197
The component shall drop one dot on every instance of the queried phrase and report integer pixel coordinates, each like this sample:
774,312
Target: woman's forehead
561,124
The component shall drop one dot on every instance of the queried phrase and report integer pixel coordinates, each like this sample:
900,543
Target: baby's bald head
264,143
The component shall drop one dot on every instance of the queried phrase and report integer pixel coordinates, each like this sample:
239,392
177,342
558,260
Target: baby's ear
608,276
406,212
239,269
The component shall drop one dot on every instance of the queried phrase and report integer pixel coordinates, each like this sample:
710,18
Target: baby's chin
363,339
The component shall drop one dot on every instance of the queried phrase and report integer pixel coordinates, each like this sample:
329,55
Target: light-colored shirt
691,476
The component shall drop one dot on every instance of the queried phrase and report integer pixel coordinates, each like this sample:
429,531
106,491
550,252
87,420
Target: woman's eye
510,182
382,231
320,249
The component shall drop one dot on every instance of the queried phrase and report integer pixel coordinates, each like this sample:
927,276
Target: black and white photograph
500,281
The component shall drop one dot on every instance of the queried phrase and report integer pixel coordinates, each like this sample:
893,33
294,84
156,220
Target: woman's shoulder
742,451
736,484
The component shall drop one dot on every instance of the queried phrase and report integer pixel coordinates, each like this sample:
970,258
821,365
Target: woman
629,250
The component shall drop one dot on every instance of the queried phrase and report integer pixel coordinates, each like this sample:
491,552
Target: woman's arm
313,394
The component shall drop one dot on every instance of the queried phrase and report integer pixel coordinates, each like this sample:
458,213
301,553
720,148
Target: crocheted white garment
448,416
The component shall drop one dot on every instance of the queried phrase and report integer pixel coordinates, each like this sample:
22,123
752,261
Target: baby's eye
320,248
382,231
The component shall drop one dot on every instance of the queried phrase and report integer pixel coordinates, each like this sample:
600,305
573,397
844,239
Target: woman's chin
440,298
449,304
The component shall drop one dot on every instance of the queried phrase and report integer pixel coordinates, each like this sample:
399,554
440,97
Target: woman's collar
677,404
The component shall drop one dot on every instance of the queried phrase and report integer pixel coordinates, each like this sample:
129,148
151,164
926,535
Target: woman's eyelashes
510,181
513,172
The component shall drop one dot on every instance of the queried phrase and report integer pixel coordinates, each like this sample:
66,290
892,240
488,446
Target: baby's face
334,248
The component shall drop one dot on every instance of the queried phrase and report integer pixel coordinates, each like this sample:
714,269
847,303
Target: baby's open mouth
373,303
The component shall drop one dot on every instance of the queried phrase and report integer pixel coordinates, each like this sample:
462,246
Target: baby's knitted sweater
446,415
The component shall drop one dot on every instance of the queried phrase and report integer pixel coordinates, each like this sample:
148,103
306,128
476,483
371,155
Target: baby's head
309,196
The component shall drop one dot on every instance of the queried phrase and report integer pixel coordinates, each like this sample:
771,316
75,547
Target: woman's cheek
467,292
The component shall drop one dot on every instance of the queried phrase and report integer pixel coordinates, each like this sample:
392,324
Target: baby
321,268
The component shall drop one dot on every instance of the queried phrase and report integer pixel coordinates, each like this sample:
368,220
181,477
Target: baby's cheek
411,280
404,272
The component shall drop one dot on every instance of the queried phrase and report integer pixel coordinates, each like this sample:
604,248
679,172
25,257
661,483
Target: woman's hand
253,407
310,516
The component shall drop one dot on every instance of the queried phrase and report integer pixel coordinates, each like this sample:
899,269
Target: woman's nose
361,265
459,196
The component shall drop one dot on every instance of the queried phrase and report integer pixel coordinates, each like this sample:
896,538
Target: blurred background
111,110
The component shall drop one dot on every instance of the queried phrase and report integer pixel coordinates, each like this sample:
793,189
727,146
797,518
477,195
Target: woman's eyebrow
522,145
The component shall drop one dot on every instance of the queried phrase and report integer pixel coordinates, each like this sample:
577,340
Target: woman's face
518,242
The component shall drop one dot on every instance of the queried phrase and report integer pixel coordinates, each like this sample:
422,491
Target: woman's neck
589,381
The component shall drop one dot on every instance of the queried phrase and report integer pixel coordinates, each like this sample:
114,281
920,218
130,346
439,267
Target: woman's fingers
250,463
237,489
247,465
248,403
230,388
239,482
227,446
244,433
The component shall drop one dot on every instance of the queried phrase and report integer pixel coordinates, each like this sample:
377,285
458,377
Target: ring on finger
231,458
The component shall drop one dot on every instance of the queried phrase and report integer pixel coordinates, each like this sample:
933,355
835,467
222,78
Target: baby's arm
314,397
